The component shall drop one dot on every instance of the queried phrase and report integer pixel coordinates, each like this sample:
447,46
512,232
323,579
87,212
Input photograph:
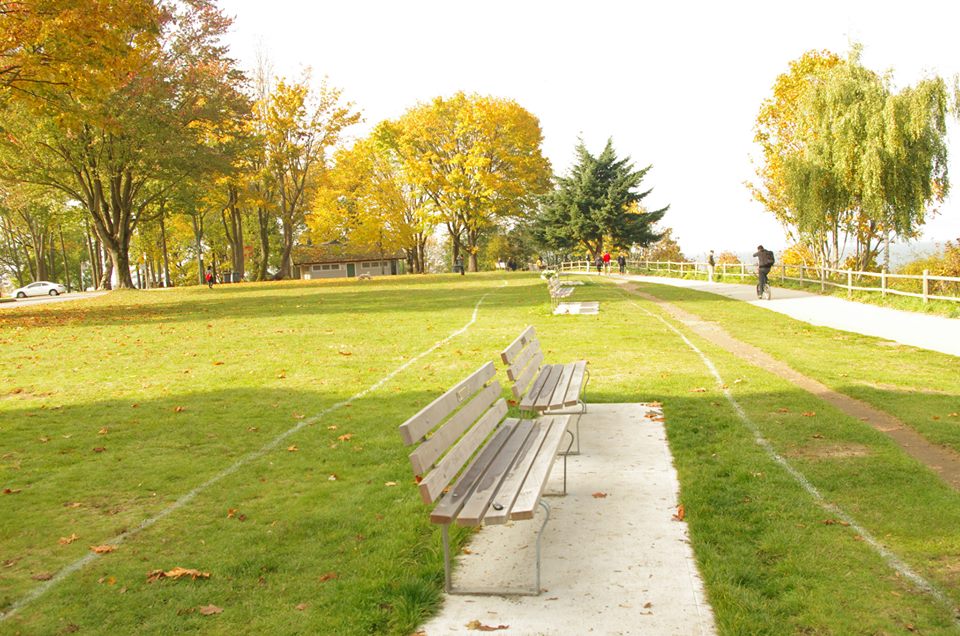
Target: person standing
622,262
599,264
711,266
209,277
606,262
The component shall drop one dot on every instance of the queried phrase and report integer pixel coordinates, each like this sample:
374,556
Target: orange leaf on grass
210,610
178,409
345,437
809,414
329,576
103,549
11,491
292,448
177,573
68,540
345,353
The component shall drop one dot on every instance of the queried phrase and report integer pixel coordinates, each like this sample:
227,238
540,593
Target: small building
333,260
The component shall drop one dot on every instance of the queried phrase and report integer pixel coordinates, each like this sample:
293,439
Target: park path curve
936,333
943,461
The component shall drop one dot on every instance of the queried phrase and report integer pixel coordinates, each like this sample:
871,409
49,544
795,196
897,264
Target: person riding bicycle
765,261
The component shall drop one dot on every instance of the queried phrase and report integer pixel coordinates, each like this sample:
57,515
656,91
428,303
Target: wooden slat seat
479,467
558,289
544,388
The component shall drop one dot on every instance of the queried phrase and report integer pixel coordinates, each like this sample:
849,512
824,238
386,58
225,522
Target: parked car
40,288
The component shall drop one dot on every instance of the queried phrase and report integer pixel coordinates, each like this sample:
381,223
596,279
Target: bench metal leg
505,591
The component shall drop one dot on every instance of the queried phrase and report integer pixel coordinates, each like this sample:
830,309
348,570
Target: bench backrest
451,429
523,359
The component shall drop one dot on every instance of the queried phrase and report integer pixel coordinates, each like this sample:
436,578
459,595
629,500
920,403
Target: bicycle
763,287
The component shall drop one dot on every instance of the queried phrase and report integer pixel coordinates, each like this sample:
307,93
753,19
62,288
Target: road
44,300
936,333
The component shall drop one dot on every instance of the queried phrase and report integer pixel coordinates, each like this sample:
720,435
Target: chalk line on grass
43,588
889,557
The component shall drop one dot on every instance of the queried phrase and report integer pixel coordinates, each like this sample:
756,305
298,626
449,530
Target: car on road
39,288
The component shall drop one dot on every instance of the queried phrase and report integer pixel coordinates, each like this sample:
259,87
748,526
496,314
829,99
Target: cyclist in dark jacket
765,261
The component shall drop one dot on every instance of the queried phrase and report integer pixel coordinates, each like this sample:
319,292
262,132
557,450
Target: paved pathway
615,561
936,333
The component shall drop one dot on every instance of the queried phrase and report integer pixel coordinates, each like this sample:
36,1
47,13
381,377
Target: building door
351,270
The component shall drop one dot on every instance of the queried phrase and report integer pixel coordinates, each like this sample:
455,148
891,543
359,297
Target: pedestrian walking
606,262
622,262
711,266
599,264
209,277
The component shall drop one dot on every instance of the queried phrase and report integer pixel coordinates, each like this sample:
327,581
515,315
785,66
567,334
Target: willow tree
597,206
848,160
479,160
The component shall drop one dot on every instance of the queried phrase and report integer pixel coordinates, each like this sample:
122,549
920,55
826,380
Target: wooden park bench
541,388
558,290
479,467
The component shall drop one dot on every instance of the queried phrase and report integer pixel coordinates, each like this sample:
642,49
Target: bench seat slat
434,483
492,480
452,501
541,401
563,384
576,383
511,485
526,404
536,480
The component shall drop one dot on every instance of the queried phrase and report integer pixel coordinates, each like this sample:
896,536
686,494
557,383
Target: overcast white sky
675,84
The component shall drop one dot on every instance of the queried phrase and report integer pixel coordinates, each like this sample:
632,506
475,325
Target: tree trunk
166,256
197,221
286,261
63,250
263,219
233,227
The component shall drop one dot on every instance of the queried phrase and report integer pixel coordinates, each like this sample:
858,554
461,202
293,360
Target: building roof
336,253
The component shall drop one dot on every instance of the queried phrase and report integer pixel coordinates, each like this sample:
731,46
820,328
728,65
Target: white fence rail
926,287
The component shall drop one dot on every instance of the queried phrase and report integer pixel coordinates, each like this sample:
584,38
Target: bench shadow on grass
150,456
301,300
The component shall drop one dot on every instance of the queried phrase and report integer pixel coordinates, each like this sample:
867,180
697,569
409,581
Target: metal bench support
505,591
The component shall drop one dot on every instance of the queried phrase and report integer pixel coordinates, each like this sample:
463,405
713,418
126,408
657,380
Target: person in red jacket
606,262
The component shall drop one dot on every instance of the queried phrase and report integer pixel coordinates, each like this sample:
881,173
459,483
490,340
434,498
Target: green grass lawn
241,422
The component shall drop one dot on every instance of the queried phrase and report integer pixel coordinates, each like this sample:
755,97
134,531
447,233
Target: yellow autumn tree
367,201
477,158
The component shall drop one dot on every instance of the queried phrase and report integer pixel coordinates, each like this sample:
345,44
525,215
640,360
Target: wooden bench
542,388
498,466
558,290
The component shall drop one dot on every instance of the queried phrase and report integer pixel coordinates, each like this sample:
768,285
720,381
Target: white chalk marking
40,590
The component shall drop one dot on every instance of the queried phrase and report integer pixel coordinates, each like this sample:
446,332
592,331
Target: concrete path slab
936,333
613,564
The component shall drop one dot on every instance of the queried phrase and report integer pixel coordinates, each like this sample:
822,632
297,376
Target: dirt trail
943,461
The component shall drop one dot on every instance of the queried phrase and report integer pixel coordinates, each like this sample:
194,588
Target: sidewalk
615,561
935,333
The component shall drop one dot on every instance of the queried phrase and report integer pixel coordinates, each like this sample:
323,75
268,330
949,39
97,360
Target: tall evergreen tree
598,206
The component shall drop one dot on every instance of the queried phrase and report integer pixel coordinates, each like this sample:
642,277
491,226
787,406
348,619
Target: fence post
783,273
743,271
926,285
801,275
823,277
849,283
883,282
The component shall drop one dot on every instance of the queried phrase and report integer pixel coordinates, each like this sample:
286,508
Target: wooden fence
926,287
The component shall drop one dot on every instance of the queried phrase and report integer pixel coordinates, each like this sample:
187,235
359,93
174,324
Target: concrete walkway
615,561
935,333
